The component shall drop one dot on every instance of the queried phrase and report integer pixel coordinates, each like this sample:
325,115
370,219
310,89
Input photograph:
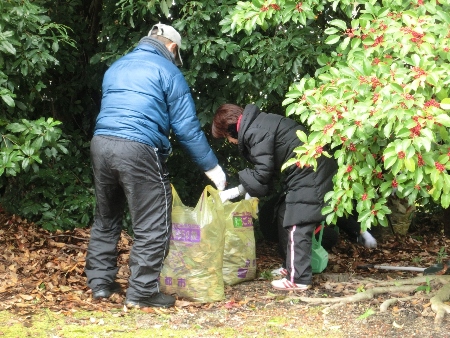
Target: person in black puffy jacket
267,141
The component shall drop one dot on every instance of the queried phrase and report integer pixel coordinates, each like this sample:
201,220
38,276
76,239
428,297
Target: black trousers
295,245
133,173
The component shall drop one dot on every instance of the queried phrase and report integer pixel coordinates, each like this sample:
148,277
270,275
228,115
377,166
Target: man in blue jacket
145,96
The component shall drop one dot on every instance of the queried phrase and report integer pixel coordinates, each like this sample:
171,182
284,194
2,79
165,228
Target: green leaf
358,188
443,119
8,100
16,127
445,104
389,162
410,164
443,15
332,39
445,200
164,8
7,47
257,3
331,30
302,136
339,23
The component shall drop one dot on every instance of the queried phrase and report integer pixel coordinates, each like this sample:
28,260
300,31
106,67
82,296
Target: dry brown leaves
39,269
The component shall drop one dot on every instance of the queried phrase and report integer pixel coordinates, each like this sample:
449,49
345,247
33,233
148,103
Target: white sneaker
279,272
285,285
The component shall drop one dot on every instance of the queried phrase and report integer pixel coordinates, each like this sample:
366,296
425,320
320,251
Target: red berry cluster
439,166
298,7
375,82
377,41
350,32
376,61
327,127
364,197
420,161
394,183
349,169
363,79
401,154
415,131
419,72
431,103
416,36
266,8
408,97
376,96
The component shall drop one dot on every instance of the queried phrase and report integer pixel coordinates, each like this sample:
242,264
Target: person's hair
226,115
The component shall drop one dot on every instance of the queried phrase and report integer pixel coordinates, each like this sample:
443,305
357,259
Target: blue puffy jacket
144,97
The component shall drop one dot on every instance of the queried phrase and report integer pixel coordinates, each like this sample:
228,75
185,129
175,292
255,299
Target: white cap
169,33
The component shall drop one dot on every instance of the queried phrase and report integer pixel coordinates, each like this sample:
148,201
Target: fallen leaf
182,303
26,297
394,324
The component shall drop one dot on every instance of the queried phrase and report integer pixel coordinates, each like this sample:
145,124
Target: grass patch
137,324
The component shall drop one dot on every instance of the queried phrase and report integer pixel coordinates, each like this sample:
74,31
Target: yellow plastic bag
239,258
193,267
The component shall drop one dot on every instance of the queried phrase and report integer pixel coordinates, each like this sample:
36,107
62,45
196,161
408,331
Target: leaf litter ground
43,271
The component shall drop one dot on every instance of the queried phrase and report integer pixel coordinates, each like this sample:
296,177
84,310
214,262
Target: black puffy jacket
268,141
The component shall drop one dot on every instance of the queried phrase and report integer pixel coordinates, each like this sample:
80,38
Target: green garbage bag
193,268
239,258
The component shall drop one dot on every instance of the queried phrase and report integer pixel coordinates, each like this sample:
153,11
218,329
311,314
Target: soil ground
41,277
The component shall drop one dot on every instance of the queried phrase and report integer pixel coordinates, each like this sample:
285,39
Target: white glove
229,194
247,196
217,175
368,240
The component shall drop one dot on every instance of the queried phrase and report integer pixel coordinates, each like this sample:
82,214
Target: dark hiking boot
105,291
158,299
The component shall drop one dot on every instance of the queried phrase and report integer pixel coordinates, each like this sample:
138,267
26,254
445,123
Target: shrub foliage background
354,78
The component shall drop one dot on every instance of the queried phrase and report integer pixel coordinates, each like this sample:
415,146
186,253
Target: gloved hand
217,175
229,194
367,240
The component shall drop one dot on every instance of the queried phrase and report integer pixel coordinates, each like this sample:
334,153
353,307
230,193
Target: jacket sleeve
257,181
186,126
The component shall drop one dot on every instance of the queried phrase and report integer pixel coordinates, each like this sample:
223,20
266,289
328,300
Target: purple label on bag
242,273
181,282
189,233
242,219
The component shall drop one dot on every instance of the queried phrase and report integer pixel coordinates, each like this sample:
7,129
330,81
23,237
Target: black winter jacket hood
268,141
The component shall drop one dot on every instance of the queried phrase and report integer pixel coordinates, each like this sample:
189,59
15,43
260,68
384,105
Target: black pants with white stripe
295,244
298,255
133,173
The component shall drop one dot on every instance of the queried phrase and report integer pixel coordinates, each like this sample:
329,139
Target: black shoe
105,291
156,300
